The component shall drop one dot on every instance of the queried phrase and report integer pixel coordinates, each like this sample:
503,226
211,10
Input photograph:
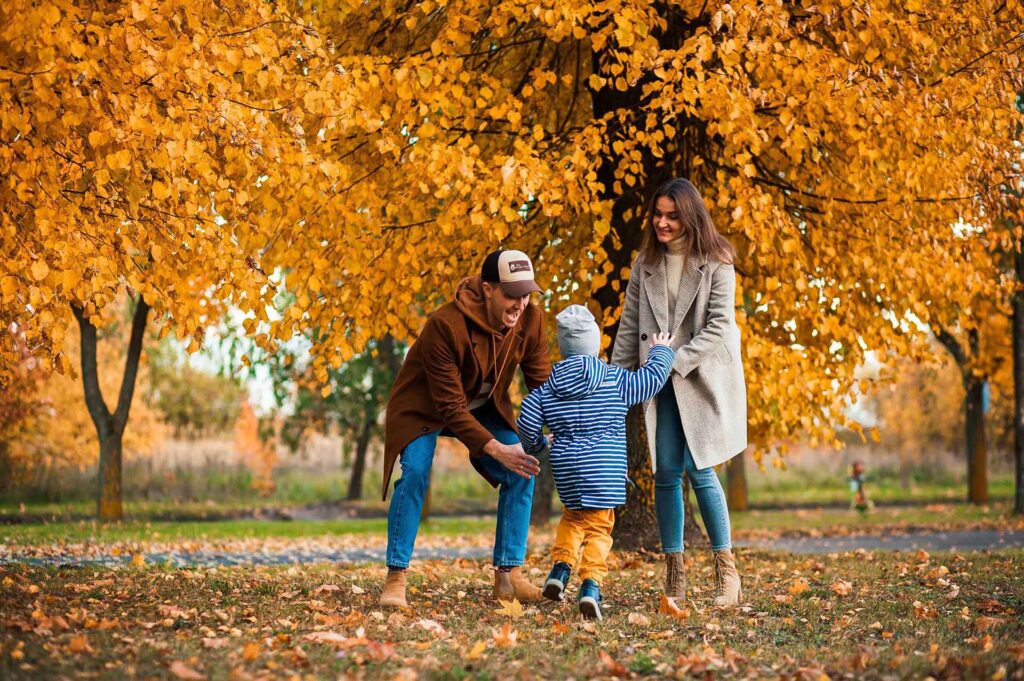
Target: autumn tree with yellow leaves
367,155
132,159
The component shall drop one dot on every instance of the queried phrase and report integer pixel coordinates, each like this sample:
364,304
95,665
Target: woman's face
668,224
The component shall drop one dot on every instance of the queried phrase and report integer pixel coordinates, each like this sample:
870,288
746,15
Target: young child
859,494
584,405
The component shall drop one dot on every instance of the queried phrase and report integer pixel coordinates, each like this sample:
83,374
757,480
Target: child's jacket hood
577,377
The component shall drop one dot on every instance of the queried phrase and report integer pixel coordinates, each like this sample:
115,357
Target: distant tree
352,400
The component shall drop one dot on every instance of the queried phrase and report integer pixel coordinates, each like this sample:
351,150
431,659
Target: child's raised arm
644,383
530,423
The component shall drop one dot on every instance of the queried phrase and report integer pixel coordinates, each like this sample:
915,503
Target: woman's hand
661,339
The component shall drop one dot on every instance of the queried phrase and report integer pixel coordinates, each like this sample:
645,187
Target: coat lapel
693,274
654,284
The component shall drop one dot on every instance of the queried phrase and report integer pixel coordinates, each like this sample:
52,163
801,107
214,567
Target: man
455,382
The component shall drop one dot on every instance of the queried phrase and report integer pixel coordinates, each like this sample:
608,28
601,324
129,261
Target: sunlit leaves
365,159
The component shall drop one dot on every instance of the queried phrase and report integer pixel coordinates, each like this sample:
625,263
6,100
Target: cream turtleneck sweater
674,257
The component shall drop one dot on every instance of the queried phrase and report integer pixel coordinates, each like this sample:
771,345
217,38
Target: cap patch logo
519,266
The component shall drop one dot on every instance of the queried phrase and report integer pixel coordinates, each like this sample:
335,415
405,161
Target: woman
683,283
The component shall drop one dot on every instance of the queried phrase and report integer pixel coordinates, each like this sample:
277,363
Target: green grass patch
49,533
845,521
803,486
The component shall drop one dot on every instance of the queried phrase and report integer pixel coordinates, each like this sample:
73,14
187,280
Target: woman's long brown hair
699,233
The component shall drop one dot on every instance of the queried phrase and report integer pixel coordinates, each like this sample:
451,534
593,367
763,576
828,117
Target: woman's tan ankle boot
727,580
393,593
513,586
675,576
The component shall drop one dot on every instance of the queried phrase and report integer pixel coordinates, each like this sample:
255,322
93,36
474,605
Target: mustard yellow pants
590,529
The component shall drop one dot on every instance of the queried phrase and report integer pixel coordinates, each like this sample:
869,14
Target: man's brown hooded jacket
456,352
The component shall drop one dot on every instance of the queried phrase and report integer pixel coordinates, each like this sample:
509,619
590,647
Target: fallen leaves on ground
506,637
513,608
180,670
276,622
841,587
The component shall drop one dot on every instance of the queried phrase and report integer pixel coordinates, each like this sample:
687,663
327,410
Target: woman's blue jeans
515,498
673,457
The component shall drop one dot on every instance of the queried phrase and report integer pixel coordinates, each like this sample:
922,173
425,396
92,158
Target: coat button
691,335
643,336
425,429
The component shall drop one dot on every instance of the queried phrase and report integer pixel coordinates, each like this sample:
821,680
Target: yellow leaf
250,651
799,586
506,637
842,587
513,608
138,560
477,650
160,190
181,670
39,270
670,607
79,644
119,160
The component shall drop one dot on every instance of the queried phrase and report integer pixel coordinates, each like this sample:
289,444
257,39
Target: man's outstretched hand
513,458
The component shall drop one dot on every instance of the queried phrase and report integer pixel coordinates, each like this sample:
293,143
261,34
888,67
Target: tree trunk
736,481
110,505
974,413
355,483
636,523
544,488
1018,385
110,426
977,452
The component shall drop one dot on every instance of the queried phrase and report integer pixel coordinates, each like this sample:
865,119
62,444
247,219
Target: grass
226,494
855,615
846,521
745,525
807,487
92,531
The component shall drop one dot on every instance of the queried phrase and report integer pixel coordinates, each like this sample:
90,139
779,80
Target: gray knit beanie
578,333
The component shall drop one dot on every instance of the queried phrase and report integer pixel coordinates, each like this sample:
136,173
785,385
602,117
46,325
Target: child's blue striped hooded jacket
584,404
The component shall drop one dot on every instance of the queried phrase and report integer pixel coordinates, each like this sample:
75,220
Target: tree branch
90,376
131,365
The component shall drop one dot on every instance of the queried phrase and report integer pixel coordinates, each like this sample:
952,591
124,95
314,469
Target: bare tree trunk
110,426
1018,385
544,488
355,483
977,450
636,523
974,413
736,482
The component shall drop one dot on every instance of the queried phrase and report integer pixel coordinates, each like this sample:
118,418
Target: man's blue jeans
673,456
515,499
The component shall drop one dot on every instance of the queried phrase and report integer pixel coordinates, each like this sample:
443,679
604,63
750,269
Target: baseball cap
512,270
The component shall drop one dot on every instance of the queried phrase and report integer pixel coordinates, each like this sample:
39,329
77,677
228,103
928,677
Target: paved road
968,540
963,540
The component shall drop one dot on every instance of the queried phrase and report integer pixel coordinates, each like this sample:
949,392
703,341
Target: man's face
502,309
